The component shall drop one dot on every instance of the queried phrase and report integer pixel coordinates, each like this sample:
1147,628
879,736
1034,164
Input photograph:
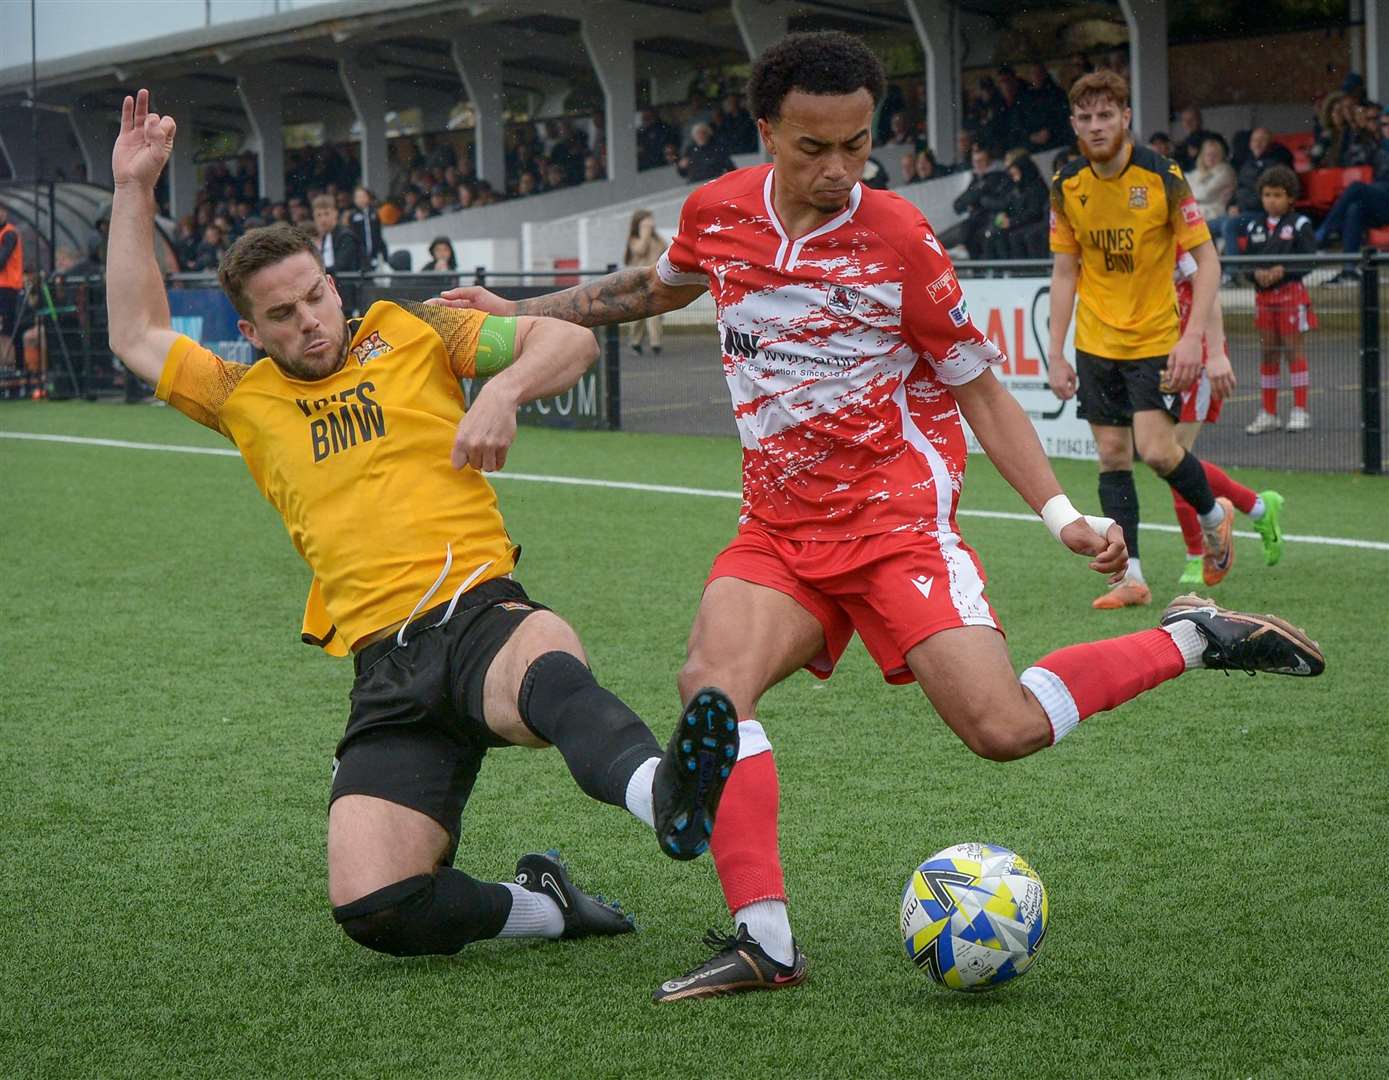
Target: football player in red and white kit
850,356
1201,403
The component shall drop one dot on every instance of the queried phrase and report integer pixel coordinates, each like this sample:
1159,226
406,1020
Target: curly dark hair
1280,176
829,62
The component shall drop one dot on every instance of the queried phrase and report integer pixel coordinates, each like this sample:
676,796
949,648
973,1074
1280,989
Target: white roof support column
938,26
366,90
183,176
1151,99
761,24
264,105
480,68
1376,51
611,46
95,135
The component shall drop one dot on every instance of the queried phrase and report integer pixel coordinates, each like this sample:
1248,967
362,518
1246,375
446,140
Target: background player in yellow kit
1118,213
348,428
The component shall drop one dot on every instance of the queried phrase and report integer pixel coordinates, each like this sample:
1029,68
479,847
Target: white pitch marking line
655,489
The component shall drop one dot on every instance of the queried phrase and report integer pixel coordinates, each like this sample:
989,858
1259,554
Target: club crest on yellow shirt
1138,198
370,347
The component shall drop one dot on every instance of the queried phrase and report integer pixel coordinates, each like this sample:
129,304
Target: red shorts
895,589
1287,309
1199,405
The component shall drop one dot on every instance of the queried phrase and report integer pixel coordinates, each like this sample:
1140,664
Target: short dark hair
1282,177
257,249
828,62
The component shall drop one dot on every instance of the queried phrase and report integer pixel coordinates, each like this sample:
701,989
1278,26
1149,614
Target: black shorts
9,309
1111,391
415,733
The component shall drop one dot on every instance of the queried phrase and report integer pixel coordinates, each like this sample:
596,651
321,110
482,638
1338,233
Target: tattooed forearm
620,297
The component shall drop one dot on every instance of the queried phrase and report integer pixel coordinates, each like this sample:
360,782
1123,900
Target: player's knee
397,920
995,731
996,742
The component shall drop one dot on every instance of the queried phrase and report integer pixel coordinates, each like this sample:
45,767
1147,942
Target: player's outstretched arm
1065,270
1010,440
137,307
550,355
635,293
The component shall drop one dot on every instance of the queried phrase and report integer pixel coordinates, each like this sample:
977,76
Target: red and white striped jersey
1182,275
839,349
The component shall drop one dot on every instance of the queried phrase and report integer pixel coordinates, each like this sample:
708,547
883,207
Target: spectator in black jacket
1264,153
704,159
365,223
1004,131
737,129
1192,135
1019,231
1043,113
652,136
1358,209
336,245
986,196
210,251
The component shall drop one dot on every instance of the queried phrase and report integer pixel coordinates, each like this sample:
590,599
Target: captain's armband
496,344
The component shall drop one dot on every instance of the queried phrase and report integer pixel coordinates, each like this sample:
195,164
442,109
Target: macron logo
923,585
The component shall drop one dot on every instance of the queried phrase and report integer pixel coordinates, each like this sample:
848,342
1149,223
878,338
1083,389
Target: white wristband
1058,513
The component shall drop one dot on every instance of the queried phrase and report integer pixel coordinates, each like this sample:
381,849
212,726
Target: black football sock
1119,500
1188,479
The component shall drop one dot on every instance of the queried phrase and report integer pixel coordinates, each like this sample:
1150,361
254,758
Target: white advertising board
1014,314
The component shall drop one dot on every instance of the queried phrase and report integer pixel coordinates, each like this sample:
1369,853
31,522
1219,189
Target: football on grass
974,916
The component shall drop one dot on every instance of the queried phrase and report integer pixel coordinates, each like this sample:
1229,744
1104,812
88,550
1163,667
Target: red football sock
744,843
1222,483
1189,521
1102,675
1300,379
1269,375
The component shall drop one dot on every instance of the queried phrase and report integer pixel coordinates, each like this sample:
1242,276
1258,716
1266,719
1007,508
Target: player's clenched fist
485,434
1061,376
474,296
143,147
1111,555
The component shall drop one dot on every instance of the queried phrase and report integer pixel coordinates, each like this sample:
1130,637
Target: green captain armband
496,345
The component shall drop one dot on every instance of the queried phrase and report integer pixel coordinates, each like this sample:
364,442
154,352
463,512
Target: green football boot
1268,527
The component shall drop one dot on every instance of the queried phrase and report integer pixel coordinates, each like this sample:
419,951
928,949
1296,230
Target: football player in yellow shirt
1117,214
355,431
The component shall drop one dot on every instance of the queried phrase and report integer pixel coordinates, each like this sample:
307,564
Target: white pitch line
658,489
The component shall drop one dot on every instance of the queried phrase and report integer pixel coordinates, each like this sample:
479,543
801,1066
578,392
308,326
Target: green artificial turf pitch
1216,853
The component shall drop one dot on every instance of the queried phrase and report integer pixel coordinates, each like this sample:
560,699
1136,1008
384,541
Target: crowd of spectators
433,175
1010,114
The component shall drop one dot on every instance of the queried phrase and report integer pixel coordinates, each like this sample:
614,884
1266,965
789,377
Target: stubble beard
311,369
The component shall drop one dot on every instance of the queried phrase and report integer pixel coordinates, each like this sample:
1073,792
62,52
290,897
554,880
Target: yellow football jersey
357,463
1125,230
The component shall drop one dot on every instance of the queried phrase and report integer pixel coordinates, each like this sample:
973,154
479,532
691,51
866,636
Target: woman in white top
1212,181
644,247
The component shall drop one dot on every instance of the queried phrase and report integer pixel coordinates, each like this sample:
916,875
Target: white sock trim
769,925
1259,509
752,740
1211,522
1134,572
638,797
532,914
1054,697
1189,642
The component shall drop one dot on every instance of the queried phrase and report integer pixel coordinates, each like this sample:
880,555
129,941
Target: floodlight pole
34,115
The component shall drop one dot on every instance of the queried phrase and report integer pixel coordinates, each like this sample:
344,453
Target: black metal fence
666,375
